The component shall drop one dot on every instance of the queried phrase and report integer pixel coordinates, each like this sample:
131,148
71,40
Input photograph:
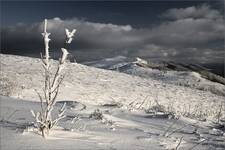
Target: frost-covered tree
44,118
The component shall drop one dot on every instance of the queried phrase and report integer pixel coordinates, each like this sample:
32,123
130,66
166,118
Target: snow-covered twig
198,144
69,35
51,87
180,140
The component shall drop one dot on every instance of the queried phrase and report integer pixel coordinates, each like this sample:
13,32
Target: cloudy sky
182,31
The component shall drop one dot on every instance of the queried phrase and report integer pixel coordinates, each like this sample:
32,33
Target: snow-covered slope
109,63
97,86
182,78
139,110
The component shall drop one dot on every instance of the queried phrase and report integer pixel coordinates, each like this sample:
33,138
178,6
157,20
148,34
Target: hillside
98,86
141,105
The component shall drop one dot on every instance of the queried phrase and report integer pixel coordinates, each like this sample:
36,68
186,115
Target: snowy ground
123,100
120,129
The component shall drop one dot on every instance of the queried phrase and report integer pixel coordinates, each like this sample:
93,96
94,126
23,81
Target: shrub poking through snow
97,114
7,87
44,118
155,109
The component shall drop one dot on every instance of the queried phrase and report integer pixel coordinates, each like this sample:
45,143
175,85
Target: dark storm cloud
185,34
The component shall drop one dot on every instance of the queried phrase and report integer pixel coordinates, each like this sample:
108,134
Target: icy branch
51,85
46,42
69,35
